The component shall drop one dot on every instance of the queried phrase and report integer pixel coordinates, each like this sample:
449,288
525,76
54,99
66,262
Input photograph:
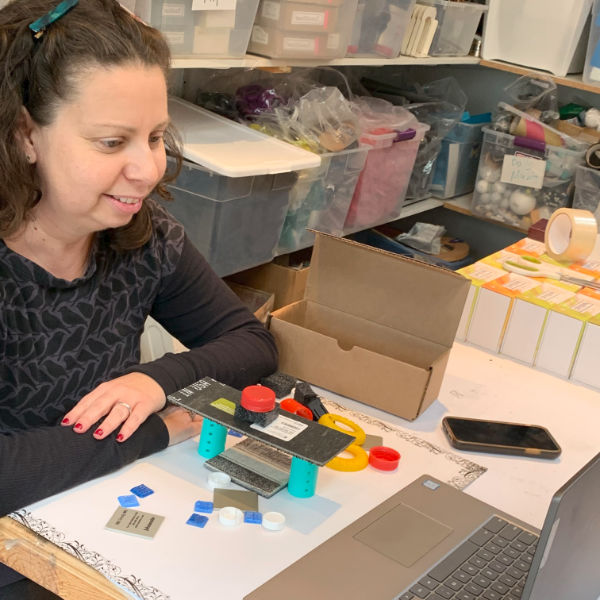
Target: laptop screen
566,563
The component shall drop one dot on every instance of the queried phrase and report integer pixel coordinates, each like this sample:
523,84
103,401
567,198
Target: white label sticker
554,294
333,41
533,246
214,4
483,272
300,17
523,170
586,305
592,265
173,10
302,44
175,38
259,35
283,428
270,10
517,283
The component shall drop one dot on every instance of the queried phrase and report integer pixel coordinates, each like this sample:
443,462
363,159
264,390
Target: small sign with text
523,170
214,4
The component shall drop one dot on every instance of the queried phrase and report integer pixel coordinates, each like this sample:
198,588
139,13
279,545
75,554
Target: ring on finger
125,405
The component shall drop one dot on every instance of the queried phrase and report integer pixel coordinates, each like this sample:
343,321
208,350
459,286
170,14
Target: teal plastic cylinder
212,439
303,478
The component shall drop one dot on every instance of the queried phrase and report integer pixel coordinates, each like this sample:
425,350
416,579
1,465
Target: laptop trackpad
403,534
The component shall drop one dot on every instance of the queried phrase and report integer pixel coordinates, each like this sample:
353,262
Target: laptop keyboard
492,565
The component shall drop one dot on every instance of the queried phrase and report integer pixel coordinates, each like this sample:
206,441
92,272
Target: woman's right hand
180,423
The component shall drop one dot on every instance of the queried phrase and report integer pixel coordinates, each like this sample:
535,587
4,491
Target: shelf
250,62
420,206
573,81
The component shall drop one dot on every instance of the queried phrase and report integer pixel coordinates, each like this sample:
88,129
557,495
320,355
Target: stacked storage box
303,29
520,180
456,26
233,200
201,30
379,27
321,197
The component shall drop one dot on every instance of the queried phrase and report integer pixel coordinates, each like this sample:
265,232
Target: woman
86,255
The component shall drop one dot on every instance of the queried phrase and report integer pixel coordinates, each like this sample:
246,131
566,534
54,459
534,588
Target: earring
28,158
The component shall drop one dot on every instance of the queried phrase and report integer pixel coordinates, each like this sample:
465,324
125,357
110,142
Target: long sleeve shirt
60,339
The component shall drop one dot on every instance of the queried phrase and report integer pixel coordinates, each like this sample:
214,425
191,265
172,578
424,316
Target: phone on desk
499,437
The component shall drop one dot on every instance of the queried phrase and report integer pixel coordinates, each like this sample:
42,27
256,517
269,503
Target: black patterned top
59,339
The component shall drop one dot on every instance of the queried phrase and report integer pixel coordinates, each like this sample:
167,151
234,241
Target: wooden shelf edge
251,61
573,81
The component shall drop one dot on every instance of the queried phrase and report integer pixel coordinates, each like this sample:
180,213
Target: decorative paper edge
469,471
130,583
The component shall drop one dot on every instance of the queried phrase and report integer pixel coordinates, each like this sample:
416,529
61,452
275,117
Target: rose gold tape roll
570,234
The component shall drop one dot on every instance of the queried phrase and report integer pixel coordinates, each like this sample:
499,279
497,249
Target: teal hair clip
40,25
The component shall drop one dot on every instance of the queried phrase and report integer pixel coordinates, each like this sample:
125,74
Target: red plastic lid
384,458
296,407
258,398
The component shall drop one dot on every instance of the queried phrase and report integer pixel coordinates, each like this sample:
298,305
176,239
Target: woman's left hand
128,400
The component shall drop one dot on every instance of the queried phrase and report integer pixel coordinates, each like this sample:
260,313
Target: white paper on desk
184,562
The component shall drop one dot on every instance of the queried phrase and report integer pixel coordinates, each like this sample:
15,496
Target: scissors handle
529,271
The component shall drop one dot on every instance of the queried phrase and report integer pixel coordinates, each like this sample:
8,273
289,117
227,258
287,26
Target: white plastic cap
218,480
230,516
273,521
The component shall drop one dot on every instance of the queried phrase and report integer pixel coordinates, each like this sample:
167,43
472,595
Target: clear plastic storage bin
457,25
307,29
456,165
379,27
497,194
234,221
201,32
321,197
591,69
542,34
587,190
382,185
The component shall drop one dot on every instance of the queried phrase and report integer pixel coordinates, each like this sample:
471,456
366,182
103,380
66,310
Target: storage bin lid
232,149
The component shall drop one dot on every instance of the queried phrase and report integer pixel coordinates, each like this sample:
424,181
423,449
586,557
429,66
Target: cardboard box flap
421,299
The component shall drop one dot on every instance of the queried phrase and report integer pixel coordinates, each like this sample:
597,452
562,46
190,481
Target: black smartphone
499,437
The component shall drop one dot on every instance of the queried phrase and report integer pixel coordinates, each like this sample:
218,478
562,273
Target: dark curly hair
40,74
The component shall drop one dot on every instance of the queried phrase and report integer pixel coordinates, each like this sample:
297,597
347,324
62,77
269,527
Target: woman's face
104,152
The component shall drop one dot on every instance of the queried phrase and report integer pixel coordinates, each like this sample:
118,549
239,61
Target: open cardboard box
372,326
280,277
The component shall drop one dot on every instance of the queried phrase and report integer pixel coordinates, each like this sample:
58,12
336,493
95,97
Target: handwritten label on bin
214,4
523,170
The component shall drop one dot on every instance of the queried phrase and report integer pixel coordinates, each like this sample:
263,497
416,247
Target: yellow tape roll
359,460
330,420
570,234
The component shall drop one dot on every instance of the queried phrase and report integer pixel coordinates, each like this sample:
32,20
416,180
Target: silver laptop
431,541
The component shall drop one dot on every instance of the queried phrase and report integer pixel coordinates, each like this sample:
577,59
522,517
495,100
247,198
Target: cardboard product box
479,274
373,326
528,317
585,369
259,303
285,281
563,333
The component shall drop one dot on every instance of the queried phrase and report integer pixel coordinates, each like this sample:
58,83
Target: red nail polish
98,432
120,437
78,426
65,421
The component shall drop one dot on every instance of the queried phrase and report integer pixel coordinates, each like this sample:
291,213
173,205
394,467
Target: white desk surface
476,384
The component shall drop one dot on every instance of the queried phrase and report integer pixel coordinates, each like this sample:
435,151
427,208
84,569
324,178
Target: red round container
258,398
384,458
